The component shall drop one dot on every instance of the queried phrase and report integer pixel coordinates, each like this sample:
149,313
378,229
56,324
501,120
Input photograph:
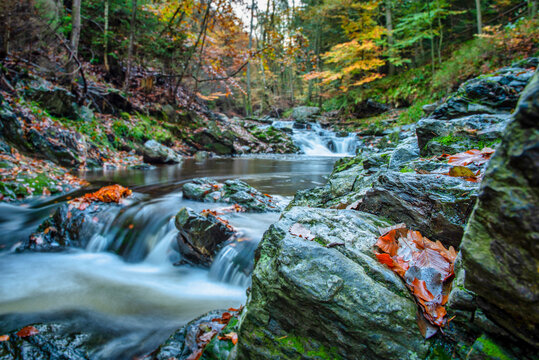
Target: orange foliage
107,194
406,249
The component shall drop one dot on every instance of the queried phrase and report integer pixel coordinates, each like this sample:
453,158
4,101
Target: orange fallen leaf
4,338
388,242
420,290
475,156
385,259
232,336
27,331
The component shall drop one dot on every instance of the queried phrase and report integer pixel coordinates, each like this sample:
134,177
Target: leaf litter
427,267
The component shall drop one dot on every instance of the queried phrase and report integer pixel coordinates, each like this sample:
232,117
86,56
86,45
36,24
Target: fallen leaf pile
207,331
107,194
425,266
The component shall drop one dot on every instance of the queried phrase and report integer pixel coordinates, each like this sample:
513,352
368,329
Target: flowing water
124,285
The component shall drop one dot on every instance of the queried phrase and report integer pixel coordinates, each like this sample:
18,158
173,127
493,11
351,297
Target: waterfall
313,140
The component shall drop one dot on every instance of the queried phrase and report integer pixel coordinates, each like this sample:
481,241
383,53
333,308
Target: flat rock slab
328,297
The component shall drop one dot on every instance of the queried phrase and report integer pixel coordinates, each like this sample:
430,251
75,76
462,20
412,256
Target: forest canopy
251,56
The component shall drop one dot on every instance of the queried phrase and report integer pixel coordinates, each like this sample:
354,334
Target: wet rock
53,341
182,343
200,235
278,139
500,256
436,137
436,205
156,153
198,189
304,113
311,301
405,152
71,227
232,192
494,93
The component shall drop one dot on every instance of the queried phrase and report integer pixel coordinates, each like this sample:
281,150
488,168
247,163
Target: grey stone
200,236
309,301
156,153
405,152
304,113
436,205
500,252
436,137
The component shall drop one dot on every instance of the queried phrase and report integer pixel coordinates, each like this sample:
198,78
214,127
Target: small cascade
234,263
313,140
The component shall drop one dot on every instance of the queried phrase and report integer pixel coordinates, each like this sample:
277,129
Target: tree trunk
249,106
106,37
441,39
131,41
532,8
75,33
390,40
479,20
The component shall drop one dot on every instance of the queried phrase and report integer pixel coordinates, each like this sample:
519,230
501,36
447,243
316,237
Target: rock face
310,301
500,255
200,235
232,192
318,296
493,93
437,137
156,153
63,147
304,113
436,205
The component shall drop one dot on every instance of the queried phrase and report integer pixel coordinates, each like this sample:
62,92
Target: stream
124,285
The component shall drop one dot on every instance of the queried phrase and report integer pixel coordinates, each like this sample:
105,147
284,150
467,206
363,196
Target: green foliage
413,113
406,169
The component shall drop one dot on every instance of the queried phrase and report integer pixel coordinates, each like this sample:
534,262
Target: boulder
437,137
328,297
304,113
200,235
500,255
156,153
71,227
490,94
232,192
436,205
